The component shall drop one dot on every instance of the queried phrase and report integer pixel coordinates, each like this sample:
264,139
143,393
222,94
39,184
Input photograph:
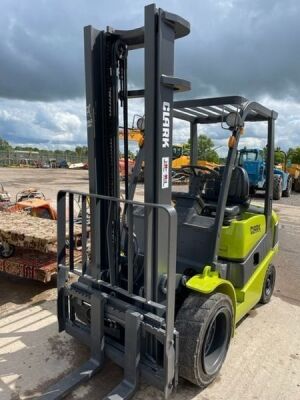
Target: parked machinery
290,168
253,161
294,171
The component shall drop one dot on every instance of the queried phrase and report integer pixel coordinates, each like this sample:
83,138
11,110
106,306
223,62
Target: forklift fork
85,372
128,386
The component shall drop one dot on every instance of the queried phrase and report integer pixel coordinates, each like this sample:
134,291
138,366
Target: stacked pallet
34,240
22,230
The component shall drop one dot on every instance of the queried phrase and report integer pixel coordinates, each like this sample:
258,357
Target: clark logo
166,125
254,229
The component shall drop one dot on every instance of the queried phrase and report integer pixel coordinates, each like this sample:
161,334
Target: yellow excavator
133,135
179,159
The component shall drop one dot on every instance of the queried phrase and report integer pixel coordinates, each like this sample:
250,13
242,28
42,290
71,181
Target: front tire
205,325
277,187
269,284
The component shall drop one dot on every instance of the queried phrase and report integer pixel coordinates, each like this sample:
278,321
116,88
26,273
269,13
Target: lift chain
122,53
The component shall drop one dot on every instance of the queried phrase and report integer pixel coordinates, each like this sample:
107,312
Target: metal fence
39,159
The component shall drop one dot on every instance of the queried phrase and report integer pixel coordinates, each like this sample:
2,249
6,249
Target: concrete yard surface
263,362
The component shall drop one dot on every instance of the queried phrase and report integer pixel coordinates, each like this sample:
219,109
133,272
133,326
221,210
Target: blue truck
253,161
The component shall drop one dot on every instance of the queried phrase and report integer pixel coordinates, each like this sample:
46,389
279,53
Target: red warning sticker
165,161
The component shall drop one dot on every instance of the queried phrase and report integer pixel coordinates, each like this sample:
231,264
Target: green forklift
161,284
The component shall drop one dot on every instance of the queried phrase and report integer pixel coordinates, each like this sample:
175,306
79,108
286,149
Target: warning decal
165,172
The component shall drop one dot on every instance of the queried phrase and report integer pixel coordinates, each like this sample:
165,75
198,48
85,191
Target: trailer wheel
205,326
277,187
288,191
6,250
269,284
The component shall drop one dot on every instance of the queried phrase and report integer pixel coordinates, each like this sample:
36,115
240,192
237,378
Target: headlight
233,120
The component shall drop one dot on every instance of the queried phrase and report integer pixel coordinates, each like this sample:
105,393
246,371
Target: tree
26,148
81,151
279,157
206,149
4,145
186,149
131,155
295,155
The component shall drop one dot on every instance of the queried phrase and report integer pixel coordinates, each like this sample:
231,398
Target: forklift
161,284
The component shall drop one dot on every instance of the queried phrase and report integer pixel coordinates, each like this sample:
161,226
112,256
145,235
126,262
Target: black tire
277,187
6,250
288,191
269,284
205,326
297,185
252,190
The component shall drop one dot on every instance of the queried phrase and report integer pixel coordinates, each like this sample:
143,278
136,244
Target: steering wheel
192,170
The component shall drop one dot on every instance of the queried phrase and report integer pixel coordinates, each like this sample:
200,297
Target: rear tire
277,187
297,185
269,284
288,191
205,326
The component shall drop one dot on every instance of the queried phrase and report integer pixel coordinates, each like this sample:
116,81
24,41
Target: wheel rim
269,284
216,341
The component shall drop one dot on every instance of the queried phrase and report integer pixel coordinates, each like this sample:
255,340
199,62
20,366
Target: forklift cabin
140,260
222,192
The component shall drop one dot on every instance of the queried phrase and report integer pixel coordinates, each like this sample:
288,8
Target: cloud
287,127
235,47
63,123
250,51
42,45
47,124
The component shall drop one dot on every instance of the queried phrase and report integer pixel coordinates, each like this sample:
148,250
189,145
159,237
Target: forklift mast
106,55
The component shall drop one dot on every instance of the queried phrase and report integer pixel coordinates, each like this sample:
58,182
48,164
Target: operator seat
238,194
196,234
204,193
192,198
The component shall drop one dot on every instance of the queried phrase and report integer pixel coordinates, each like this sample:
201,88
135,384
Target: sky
236,47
